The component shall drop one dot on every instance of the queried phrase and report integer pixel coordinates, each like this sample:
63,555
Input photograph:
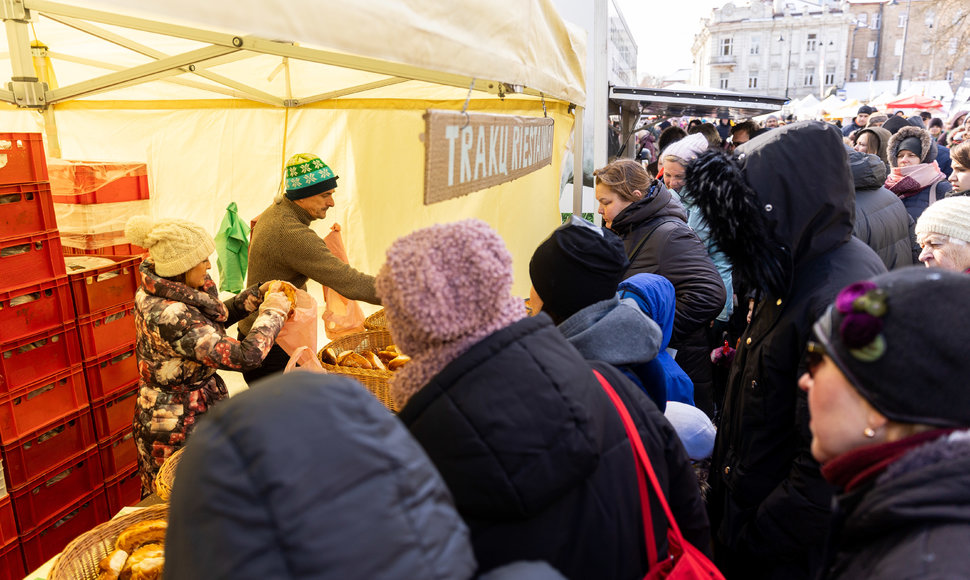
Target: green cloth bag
232,248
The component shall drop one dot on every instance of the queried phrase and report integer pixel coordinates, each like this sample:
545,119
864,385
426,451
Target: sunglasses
814,355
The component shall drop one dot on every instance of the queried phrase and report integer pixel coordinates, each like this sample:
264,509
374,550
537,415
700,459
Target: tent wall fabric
220,133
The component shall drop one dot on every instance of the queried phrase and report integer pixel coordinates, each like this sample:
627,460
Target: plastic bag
341,316
298,337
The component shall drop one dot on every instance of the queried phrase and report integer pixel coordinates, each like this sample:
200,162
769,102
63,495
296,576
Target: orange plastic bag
298,337
341,316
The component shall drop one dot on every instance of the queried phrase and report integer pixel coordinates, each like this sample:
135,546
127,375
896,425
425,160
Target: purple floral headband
863,305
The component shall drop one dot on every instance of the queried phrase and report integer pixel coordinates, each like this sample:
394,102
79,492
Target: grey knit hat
901,340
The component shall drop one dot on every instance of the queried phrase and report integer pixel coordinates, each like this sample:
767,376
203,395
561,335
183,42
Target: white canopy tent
215,96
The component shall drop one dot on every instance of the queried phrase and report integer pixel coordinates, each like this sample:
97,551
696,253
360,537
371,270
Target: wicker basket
376,321
374,380
79,560
165,478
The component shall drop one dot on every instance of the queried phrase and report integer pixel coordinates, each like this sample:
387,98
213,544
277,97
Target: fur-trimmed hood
786,197
927,146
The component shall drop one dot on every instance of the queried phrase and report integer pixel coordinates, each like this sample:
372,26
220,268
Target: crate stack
52,478
93,200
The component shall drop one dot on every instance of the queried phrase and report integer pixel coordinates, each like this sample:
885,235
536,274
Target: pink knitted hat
444,288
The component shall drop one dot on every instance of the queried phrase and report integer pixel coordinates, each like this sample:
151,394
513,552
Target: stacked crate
93,200
53,487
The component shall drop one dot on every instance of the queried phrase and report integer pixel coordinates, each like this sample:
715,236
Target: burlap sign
468,152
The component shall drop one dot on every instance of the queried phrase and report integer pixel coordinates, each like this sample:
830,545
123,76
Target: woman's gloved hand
280,297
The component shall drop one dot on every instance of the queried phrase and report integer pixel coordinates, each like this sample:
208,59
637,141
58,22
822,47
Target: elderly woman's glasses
814,354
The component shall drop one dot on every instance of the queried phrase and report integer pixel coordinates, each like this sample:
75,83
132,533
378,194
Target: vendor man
283,246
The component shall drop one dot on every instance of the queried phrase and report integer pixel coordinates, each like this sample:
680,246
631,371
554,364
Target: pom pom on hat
948,217
307,175
176,246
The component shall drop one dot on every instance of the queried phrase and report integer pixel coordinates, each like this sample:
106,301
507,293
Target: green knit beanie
307,175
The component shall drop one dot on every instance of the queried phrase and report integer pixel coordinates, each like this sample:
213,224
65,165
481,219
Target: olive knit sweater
283,247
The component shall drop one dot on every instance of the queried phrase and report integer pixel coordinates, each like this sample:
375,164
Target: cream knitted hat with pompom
175,245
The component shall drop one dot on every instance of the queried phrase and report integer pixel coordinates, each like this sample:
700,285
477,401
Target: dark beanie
578,265
901,340
913,145
866,110
916,121
895,123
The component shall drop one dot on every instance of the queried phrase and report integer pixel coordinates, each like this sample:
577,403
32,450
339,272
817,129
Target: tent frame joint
28,93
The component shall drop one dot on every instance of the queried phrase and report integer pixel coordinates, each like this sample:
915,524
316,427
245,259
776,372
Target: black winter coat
538,461
914,521
881,220
769,505
918,202
308,476
674,252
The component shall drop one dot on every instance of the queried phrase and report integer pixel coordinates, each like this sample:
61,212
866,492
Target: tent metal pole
351,90
578,172
139,72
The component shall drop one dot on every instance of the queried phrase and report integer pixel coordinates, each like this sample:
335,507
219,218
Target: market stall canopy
673,102
915,102
808,107
847,110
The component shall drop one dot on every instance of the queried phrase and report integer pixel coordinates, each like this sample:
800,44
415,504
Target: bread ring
145,532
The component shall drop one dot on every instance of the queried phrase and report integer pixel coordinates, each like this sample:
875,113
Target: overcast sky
664,31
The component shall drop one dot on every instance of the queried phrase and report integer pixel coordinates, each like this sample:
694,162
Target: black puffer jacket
538,461
659,241
308,476
914,522
769,505
881,220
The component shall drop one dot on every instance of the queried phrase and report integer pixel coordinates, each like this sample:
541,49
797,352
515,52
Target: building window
723,83
863,19
876,21
753,79
811,43
898,48
923,75
809,76
872,48
952,46
853,76
949,75
755,47
930,19
902,20
926,47
830,75
896,76
870,75
855,64
727,46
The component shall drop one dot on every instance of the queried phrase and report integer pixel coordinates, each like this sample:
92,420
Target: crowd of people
752,313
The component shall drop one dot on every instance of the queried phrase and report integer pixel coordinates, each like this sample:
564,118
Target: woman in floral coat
181,337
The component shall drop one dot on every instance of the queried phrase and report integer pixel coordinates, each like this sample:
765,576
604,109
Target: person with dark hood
575,273
513,417
960,178
653,226
916,177
859,121
895,123
881,219
787,229
886,384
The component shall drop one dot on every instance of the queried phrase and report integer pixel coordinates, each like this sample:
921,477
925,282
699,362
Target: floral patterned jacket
181,342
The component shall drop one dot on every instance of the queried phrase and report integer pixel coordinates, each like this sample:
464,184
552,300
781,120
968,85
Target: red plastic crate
107,330
116,250
31,309
114,414
25,158
30,259
40,405
8,524
57,489
48,539
123,489
101,288
105,183
12,562
33,358
118,454
111,372
26,208
35,454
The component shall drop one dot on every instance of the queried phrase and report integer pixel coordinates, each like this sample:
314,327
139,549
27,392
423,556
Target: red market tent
915,102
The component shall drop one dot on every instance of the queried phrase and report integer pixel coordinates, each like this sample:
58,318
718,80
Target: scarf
206,299
908,181
860,466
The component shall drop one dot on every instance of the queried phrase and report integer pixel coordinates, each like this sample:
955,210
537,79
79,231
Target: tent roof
298,52
699,103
